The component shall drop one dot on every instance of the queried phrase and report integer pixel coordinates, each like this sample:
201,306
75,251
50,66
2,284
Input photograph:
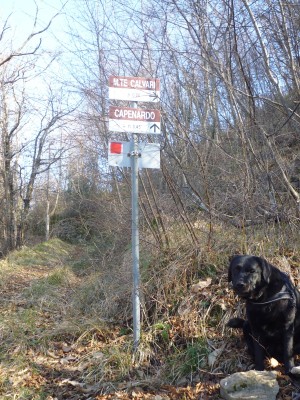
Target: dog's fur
272,327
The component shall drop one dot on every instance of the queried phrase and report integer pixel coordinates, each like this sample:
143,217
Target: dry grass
66,325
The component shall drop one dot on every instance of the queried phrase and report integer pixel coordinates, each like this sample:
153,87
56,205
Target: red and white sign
134,120
134,88
119,155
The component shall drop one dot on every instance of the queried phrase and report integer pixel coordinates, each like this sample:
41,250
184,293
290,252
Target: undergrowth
65,312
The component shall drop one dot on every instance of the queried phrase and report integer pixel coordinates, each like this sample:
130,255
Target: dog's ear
266,268
229,274
231,259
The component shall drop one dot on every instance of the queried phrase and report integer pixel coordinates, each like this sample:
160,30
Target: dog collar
284,294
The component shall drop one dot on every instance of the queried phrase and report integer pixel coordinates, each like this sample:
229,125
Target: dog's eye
251,271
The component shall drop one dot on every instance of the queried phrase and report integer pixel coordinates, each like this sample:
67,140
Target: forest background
230,163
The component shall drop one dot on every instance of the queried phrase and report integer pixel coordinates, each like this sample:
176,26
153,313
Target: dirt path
32,366
40,360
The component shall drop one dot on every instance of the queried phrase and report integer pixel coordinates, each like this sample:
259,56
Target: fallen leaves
203,391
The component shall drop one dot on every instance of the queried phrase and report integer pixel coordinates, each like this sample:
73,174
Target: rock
250,385
296,371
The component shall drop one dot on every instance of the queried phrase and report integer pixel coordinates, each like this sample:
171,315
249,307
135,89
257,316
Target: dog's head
249,275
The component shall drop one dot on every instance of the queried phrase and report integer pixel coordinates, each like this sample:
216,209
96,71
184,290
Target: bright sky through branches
24,17
21,15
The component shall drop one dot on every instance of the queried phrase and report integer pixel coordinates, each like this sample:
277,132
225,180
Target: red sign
134,114
115,147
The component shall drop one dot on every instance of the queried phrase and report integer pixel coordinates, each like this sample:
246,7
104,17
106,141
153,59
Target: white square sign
119,155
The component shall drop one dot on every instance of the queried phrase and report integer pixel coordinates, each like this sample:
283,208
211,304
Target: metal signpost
135,240
134,120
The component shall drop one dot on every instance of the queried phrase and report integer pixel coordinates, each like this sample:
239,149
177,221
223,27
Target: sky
21,15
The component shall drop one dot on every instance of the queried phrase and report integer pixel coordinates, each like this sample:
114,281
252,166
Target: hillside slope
55,344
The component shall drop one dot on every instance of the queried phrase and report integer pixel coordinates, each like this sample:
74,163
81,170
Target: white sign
134,88
119,155
134,120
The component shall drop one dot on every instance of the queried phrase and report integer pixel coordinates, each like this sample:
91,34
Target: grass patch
81,267
49,254
19,330
184,362
50,284
113,364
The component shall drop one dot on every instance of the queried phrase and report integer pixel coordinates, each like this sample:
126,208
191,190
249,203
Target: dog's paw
236,323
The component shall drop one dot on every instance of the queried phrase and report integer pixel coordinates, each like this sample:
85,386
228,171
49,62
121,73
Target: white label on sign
133,95
134,126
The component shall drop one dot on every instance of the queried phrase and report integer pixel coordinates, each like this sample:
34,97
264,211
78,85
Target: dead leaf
52,355
72,383
273,363
66,349
198,287
98,355
214,355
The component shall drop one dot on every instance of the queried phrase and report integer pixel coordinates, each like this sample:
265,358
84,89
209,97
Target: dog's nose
240,285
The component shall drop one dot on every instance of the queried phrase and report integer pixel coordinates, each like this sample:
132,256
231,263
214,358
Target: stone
250,385
296,371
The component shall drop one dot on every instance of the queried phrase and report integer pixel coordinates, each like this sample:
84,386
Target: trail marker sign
134,120
135,155
134,88
119,154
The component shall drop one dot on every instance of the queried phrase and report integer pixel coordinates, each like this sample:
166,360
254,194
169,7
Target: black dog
272,328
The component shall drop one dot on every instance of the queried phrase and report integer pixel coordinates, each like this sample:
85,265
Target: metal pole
135,240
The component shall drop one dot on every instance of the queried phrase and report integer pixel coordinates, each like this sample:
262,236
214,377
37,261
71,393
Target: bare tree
229,72
28,123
